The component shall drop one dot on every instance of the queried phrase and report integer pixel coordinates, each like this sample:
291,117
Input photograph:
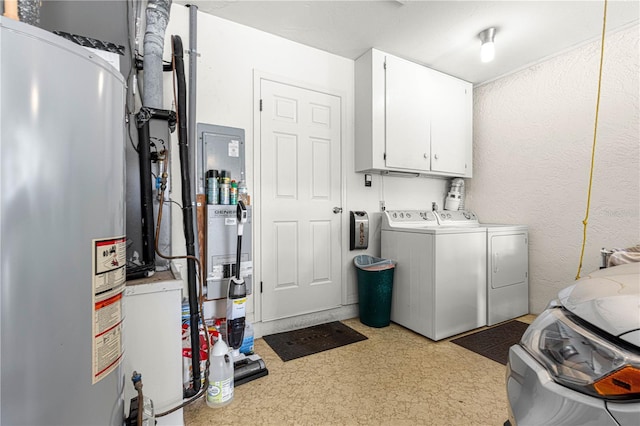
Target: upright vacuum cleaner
246,367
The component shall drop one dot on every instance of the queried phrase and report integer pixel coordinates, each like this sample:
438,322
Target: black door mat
494,342
307,341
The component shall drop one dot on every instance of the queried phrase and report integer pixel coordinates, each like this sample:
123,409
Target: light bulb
487,51
487,48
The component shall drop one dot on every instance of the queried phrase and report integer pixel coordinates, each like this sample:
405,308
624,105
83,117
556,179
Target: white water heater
62,231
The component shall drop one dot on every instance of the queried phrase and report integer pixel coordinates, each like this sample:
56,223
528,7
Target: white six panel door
300,131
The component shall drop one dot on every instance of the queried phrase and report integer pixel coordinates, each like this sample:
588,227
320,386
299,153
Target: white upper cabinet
410,118
451,124
407,132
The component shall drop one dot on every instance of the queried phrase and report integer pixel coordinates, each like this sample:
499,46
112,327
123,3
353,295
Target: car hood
609,299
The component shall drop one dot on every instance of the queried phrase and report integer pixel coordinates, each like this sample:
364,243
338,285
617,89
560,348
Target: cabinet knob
435,156
425,155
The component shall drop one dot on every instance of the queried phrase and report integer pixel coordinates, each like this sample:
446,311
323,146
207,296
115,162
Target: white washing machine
507,272
439,285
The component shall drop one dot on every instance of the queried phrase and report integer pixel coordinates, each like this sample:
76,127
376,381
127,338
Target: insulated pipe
188,216
146,186
157,16
143,118
29,11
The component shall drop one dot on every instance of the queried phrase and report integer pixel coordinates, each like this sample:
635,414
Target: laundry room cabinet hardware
419,119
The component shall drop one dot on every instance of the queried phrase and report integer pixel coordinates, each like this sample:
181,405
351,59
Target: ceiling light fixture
488,48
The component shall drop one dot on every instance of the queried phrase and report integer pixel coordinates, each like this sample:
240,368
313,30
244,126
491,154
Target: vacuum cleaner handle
241,214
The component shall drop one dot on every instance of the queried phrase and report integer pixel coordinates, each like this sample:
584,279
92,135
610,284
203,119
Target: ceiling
439,34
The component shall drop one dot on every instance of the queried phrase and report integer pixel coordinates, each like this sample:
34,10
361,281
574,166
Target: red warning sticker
109,276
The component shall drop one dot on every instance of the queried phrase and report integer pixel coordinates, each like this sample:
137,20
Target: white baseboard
287,324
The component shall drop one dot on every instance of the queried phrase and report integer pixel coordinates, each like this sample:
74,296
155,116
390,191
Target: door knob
337,210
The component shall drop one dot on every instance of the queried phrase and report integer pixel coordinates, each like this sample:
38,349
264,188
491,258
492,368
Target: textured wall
533,132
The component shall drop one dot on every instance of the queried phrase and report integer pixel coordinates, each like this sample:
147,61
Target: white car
578,363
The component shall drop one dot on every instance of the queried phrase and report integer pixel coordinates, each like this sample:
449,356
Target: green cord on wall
593,147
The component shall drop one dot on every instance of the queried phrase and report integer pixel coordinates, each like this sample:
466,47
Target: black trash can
375,284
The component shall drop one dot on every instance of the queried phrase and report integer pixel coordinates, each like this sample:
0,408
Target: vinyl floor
395,377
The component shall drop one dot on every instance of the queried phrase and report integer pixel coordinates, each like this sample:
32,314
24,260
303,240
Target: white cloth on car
622,256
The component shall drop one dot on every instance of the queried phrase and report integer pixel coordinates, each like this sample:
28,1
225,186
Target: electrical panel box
220,148
222,241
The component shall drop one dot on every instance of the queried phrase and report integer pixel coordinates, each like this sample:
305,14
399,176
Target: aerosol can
237,296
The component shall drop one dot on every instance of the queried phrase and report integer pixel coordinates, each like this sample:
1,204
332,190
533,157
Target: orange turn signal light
623,382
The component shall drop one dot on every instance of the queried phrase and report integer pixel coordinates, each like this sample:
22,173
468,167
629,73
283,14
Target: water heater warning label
109,272
107,342
109,276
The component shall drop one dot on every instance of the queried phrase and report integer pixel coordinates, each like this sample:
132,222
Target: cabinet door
407,138
451,136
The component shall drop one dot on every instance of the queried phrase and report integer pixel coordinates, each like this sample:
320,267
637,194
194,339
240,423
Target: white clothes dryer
507,272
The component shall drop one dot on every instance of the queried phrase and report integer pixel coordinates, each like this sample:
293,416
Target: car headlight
578,358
